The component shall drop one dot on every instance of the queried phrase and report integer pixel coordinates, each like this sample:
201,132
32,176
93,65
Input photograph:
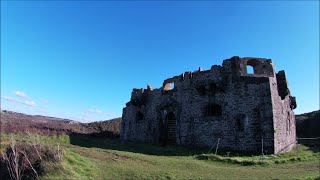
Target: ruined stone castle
226,102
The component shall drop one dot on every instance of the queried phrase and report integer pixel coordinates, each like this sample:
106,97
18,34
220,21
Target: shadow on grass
99,141
312,144
105,141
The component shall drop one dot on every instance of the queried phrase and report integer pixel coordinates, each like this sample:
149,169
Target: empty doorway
171,129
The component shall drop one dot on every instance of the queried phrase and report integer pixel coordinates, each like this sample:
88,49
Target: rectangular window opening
168,86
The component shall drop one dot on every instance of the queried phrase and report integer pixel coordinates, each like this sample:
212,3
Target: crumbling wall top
235,66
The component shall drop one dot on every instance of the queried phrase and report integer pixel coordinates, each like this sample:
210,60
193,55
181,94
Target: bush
292,159
228,160
27,160
248,163
283,161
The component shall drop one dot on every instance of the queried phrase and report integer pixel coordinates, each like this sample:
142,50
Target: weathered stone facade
224,102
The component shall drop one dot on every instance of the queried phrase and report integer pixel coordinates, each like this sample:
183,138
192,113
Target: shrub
292,159
27,160
283,161
228,160
248,163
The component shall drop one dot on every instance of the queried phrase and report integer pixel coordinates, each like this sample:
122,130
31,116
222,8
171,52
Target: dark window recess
239,123
257,123
209,88
134,103
201,90
213,87
139,116
191,124
213,110
288,124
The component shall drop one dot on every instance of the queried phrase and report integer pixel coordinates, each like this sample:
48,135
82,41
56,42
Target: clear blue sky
80,60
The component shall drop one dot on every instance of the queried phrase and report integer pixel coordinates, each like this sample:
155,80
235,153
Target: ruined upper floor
217,78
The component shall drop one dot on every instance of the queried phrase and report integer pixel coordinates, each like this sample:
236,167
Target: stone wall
283,116
224,102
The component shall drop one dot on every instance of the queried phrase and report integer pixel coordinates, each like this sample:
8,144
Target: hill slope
308,124
108,128
12,122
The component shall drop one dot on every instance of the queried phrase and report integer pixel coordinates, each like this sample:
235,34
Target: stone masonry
226,102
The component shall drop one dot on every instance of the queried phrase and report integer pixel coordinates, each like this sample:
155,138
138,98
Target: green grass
74,166
300,154
101,158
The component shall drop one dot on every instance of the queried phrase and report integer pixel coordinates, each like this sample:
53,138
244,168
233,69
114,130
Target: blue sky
80,60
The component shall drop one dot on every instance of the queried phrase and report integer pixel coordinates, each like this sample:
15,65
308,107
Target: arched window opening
139,116
255,66
213,110
250,69
252,65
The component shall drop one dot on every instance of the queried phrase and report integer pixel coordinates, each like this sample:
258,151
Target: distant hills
13,122
35,118
107,128
308,125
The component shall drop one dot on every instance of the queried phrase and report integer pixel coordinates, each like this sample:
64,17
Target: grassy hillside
308,124
12,122
88,157
109,128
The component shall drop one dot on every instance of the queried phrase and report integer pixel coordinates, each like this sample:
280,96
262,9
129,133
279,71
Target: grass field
88,157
